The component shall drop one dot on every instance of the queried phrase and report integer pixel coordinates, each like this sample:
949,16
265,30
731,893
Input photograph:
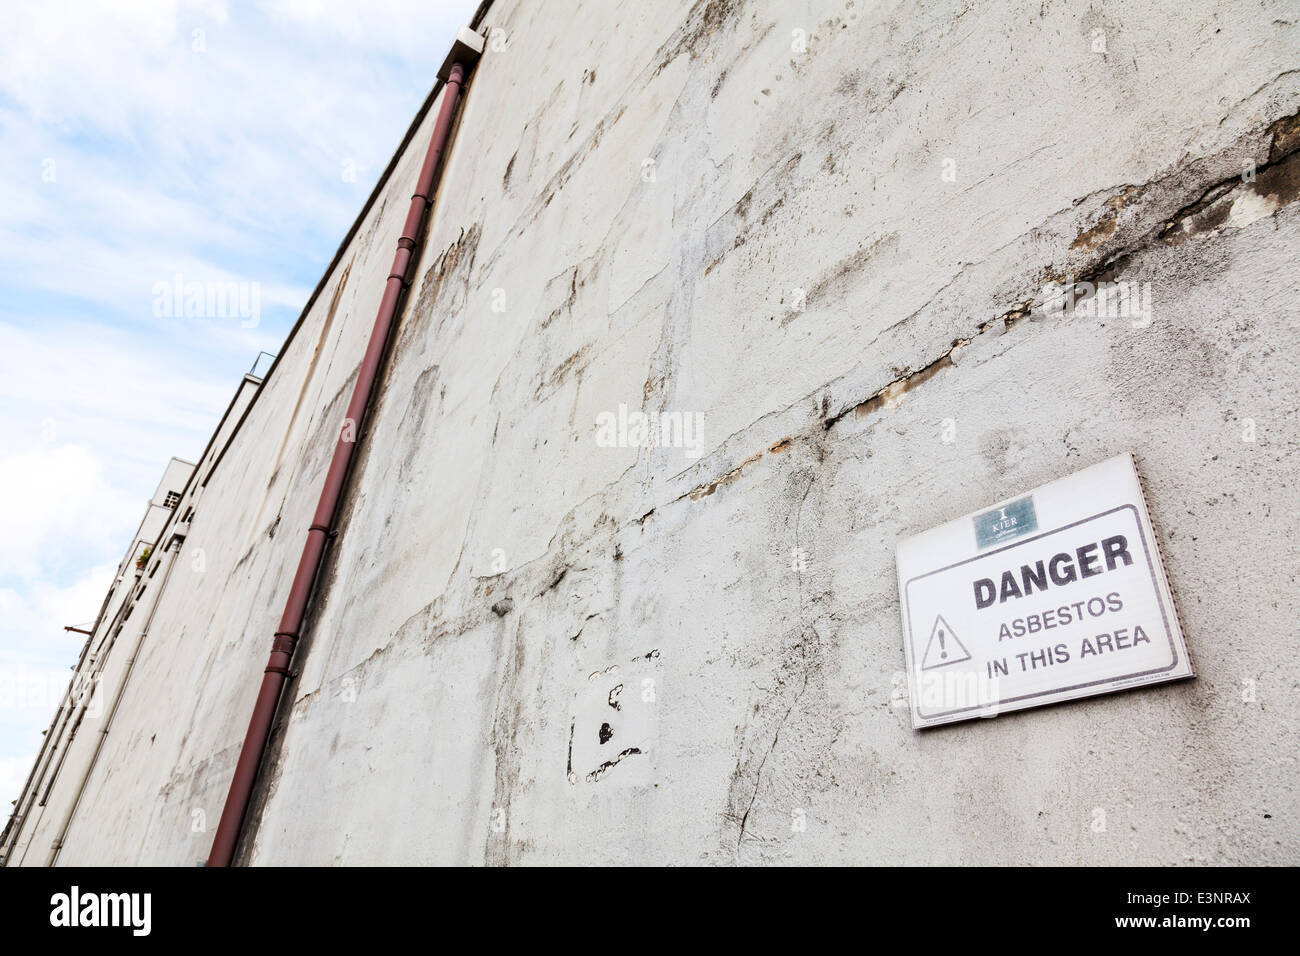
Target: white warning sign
1049,596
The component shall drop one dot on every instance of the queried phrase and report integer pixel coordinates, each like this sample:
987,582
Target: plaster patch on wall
615,725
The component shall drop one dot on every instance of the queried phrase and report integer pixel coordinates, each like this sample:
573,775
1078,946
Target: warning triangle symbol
944,647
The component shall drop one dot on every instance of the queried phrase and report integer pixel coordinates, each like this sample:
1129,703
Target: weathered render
823,231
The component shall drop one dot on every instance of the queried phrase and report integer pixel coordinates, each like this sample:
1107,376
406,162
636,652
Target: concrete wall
832,259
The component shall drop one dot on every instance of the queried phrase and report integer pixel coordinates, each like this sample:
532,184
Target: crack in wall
1278,179
804,629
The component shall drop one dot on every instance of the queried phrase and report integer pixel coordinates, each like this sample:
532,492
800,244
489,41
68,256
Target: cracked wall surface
850,263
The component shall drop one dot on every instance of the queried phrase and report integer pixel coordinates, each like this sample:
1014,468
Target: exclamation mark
943,653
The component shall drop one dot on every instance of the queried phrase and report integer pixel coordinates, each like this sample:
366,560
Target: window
172,500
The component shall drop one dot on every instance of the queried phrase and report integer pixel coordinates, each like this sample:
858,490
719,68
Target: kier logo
1013,520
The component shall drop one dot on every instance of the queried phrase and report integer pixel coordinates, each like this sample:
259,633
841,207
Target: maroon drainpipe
286,637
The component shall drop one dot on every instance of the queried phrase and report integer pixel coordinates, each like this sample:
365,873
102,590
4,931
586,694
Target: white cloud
13,773
134,402
36,655
57,494
45,609
222,155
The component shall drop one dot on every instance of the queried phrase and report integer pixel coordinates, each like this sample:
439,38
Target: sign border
1160,600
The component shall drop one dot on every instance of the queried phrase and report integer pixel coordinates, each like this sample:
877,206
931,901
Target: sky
215,145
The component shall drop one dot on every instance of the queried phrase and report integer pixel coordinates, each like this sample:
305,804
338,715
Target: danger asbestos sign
1045,597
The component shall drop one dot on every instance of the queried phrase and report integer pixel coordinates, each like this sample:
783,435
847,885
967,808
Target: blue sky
222,141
